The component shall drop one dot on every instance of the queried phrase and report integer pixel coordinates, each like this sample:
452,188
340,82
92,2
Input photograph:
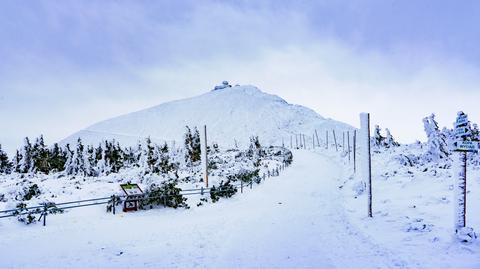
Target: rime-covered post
348,145
326,145
304,142
296,141
313,141
316,135
463,144
335,140
354,151
343,141
205,156
291,142
366,157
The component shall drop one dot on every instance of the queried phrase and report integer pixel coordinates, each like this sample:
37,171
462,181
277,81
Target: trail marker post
366,157
205,156
463,145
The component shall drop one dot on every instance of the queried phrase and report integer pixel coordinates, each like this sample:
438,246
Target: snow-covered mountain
232,115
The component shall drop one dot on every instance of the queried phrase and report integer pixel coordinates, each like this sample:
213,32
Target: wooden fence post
348,145
366,157
326,132
335,140
318,141
205,156
354,151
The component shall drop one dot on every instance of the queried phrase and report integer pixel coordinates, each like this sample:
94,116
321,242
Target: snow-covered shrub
224,189
27,216
24,215
30,192
408,159
466,235
245,176
166,194
418,225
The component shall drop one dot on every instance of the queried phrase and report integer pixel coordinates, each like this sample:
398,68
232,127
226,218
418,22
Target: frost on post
462,133
365,158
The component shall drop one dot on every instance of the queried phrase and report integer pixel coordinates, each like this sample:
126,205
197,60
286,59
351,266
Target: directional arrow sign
461,131
461,121
468,146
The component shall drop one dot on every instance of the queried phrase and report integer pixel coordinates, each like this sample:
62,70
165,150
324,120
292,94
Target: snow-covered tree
389,140
437,148
40,156
76,162
57,158
25,162
114,156
192,146
255,151
5,164
378,140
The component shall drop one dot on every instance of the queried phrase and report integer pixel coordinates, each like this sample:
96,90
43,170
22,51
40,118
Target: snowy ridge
232,115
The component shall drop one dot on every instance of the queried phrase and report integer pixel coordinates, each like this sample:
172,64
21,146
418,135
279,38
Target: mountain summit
232,114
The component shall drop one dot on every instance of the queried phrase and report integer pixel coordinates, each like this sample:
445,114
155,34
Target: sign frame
134,194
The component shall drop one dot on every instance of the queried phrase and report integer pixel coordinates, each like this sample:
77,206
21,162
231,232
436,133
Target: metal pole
114,200
45,215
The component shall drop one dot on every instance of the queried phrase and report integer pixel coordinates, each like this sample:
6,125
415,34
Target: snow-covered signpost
366,161
463,145
205,156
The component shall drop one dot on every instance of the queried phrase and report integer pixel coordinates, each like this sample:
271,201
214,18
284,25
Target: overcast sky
67,64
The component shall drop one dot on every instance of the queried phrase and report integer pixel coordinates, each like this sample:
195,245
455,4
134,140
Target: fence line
43,209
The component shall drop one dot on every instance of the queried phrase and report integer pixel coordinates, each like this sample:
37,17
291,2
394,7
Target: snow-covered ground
309,217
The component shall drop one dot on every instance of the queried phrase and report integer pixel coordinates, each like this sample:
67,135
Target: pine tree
69,162
5,164
57,158
437,148
89,159
163,162
114,156
40,156
25,164
76,165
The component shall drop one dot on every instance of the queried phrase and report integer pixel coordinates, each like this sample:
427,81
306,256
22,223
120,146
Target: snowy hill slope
230,113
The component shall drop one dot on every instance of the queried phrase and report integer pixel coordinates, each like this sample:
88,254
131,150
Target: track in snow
292,221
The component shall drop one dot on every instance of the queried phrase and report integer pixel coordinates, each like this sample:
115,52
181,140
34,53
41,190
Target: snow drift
232,115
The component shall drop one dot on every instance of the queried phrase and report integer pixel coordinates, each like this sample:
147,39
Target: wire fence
47,208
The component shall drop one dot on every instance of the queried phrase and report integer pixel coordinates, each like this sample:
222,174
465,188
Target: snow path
292,221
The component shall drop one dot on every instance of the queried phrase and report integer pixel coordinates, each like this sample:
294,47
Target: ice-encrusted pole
463,133
205,156
366,160
355,151
335,140
316,135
